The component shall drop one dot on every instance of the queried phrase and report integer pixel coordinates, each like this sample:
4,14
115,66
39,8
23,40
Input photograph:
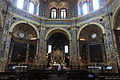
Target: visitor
59,70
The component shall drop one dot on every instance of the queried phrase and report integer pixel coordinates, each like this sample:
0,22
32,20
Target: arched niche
58,48
23,45
91,45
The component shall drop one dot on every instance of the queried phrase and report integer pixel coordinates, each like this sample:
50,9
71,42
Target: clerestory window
63,13
20,4
31,8
95,4
85,8
53,13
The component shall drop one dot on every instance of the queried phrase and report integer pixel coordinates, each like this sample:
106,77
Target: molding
58,29
19,22
96,23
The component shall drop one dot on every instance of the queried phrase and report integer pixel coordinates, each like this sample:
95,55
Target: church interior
81,37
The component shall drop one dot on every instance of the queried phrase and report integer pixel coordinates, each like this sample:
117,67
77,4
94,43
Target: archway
58,48
116,29
23,46
91,43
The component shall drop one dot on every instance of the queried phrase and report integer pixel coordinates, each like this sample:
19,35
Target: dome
59,9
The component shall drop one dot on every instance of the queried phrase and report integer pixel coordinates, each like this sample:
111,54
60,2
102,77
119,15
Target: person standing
59,70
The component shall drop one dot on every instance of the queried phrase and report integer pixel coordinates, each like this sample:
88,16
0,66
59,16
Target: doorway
58,49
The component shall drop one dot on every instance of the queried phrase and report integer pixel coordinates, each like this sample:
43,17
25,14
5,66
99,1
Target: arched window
95,4
66,48
20,4
31,8
53,13
85,8
49,48
63,13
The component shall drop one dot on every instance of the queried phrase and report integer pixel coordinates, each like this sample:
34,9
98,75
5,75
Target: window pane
63,13
20,4
49,48
53,13
66,49
95,4
85,9
31,8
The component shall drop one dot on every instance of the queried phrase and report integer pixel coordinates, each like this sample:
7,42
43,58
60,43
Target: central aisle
57,77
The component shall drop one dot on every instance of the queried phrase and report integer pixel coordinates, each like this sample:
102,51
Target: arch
59,29
53,5
63,5
19,22
95,23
